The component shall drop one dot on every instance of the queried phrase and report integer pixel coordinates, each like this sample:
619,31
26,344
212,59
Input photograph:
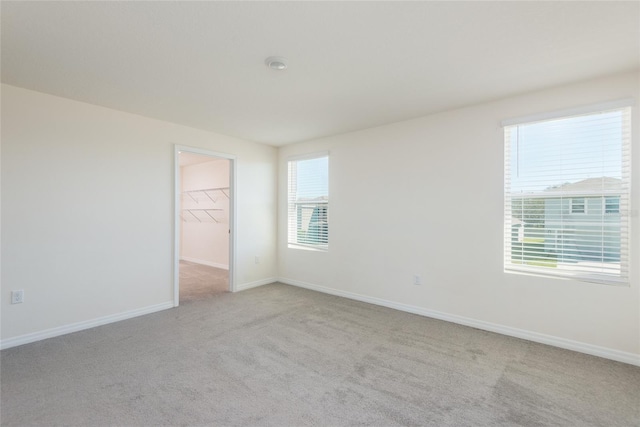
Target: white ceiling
352,65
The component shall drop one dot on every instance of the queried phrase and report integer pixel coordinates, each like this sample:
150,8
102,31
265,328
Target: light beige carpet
199,281
283,356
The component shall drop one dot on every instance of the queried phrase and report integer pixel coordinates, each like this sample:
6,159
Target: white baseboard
255,284
80,326
594,350
204,262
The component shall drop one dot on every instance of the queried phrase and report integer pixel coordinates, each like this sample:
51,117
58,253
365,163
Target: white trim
568,112
245,286
303,247
204,262
80,326
594,350
203,152
233,209
177,205
599,279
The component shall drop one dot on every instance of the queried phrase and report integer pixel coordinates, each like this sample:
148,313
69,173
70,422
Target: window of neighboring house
577,205
576,163
308,202
612,205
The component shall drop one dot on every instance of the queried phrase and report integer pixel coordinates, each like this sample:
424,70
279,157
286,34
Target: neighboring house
517,230
312,221
568,223
582,226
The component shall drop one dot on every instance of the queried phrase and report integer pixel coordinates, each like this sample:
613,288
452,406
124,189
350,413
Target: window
308,201
612,205
577,205
567,181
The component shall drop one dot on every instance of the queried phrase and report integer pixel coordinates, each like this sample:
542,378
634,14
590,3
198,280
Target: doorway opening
203,259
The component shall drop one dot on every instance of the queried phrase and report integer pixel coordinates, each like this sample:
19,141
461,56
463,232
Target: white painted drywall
426,197
88,210
203,240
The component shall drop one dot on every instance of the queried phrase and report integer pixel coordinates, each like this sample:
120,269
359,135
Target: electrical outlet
17,297
417,280
257,259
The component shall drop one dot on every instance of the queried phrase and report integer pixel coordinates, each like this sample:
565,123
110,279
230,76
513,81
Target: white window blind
567,191
308,202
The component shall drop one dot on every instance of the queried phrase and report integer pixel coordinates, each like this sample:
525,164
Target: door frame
177,149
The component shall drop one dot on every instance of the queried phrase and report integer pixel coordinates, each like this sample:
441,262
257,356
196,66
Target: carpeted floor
283,356
199,281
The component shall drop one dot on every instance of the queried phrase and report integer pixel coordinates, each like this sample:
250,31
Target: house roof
587,185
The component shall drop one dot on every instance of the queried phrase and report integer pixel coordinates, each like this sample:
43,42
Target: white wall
426,197
87,211
87,219
203,240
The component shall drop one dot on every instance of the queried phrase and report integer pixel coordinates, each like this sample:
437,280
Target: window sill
308,248
601,280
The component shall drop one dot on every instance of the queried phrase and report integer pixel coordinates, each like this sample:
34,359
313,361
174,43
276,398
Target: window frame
625,106
606,204
583,204
293,204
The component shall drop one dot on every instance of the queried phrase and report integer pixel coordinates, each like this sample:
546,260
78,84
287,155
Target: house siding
575,236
